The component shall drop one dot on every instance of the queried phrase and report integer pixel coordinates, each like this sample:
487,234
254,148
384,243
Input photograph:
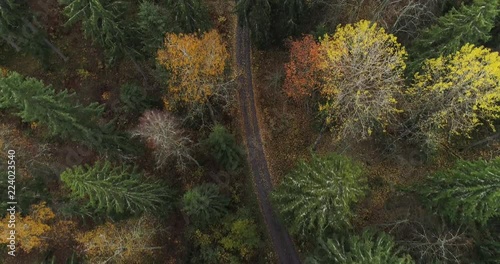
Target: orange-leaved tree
196,65
302,70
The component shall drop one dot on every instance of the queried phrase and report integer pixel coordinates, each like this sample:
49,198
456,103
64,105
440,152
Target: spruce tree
223,147
118,189
153,22
204,204
468,192
468,24
317,196
367,248
190,15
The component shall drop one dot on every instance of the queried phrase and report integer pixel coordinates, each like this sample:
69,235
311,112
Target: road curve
282,243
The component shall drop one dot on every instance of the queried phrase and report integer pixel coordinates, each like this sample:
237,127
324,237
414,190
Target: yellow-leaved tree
130,241
454,94
30,229
196,65
362,76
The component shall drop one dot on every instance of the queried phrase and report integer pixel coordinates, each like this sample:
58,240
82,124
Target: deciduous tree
116,189
454,94
123,242
362,74
468,192
302,70
318,196
196,64
163,134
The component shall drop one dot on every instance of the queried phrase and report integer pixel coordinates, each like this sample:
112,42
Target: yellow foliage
362,70
196,65
458,91
29,229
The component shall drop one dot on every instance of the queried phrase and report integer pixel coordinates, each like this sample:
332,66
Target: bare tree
162,133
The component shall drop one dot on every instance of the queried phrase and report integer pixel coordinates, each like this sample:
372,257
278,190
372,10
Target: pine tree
468,192
35,102
317,196
468,24
204,204
119,189
102,22
223,147
368,248
190,15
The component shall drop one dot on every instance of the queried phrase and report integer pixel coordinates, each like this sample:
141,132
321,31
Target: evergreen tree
317,196
468,24
368,248
101,21
116,189
190,15
33,101
153,23
468,192
257,16
204,204
223,147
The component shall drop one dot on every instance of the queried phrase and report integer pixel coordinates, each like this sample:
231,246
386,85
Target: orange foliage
302,69
196,65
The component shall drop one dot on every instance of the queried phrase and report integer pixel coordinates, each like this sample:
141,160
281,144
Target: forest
250,131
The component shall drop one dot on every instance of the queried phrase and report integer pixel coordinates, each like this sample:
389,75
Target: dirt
281,240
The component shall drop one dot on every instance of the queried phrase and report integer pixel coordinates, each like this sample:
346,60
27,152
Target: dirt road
282,243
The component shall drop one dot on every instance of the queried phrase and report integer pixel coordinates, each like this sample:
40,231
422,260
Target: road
281,240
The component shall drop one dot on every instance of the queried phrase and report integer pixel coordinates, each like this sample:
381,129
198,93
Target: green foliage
18,29
34,102
190,15
119,189
257,15
102,22
489,249
153,22
222,145
468,192
133,98
368,248
317,196
468,24
204,204
235,240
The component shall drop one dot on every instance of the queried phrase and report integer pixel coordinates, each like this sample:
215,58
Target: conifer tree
468,24
116,189
367,248
223,147
317,196
190,15
204,204
468,192
153,22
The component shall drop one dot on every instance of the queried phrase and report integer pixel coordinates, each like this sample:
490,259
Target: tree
204,204
223,147
468,24
242,237
190,15
60,112
119,189
196,64
19,29
257,16
124,242
367,248
302,70
101,22
318,196
454,94
468,192
362,74
30,229
153,21
162,132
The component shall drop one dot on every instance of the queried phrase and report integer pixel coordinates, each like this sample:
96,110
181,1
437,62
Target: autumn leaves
359,73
